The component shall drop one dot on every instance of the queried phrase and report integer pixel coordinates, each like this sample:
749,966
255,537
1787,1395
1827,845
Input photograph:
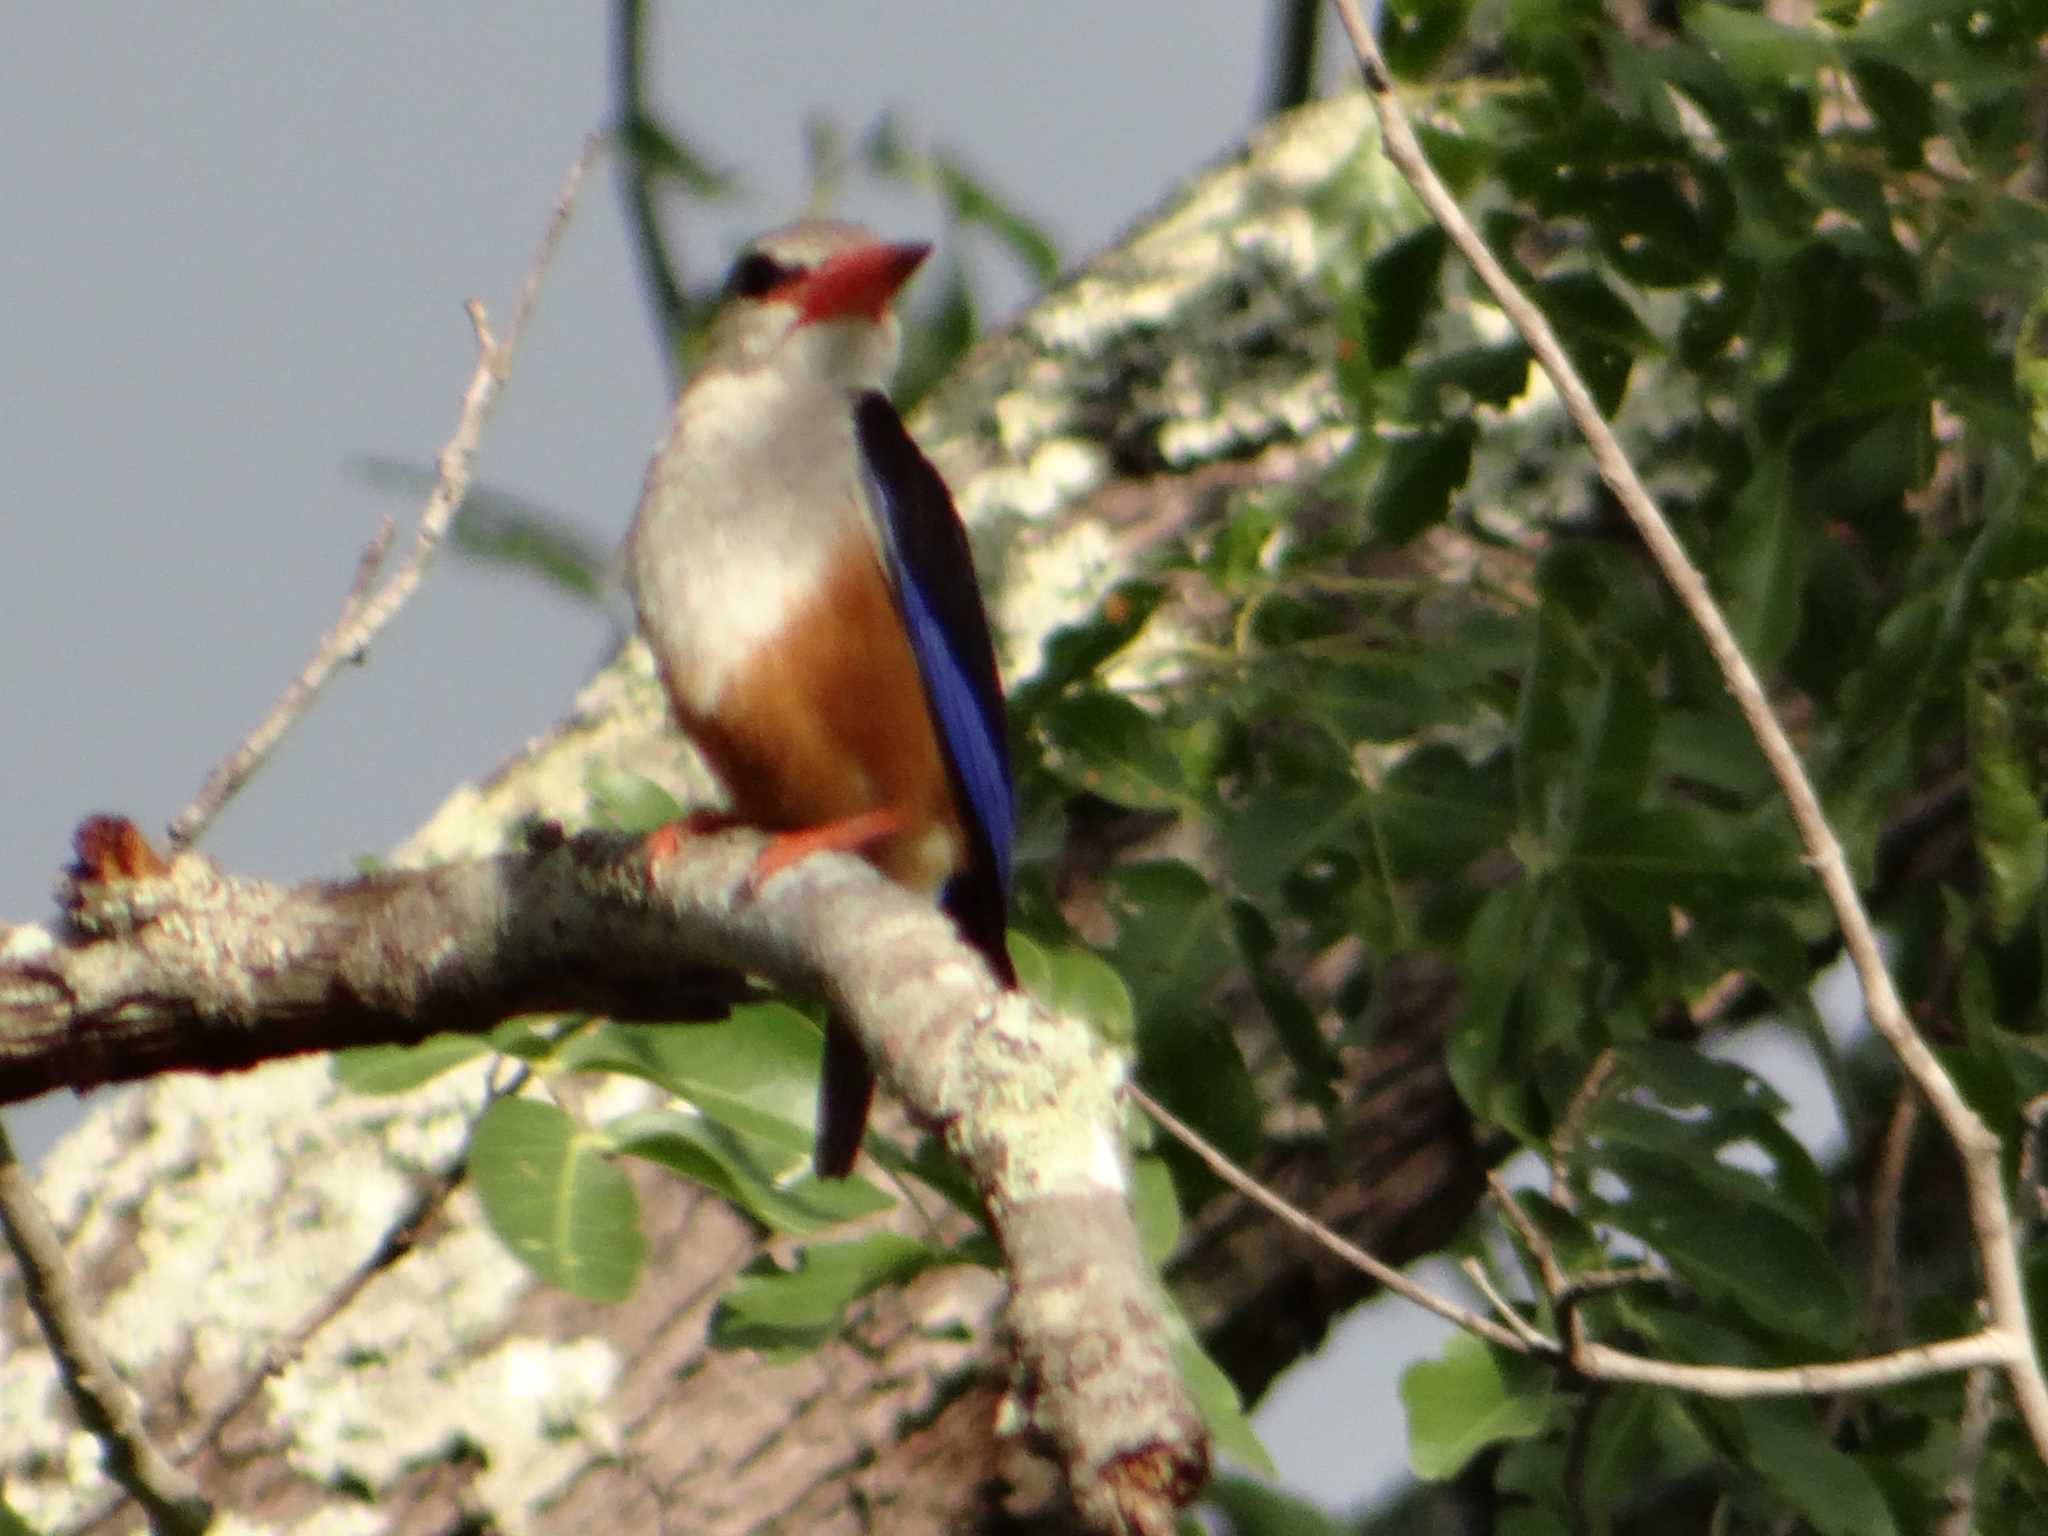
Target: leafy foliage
1440,709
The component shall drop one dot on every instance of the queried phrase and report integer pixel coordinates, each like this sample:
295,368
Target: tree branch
164,965
167,1495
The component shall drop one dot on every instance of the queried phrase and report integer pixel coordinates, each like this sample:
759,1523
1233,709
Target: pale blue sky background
236,243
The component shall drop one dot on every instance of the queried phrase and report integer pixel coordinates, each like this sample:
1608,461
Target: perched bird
806,587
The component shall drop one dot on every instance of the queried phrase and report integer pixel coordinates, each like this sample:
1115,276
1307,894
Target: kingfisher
806,587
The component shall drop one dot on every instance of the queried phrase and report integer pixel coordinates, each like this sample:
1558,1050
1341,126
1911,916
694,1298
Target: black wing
932,573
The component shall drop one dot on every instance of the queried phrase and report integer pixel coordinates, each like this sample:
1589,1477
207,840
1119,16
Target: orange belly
830,721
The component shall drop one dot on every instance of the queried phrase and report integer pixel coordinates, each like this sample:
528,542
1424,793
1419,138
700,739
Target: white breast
755,487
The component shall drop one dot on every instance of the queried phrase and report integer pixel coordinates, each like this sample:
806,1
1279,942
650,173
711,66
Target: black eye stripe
756,273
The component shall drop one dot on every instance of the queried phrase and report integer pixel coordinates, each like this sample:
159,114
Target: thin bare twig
1594,1361
1504,1309
1973,1435
1884,1307
167,1494
365,612
1388,1276
2033,1198
1572,1123
2009,1334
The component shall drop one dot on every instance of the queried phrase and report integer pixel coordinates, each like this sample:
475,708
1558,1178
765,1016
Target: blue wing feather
932,573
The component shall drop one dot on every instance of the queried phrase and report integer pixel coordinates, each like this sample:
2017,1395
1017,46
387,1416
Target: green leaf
1254,1509
1762,555
1420,475
1279,829
1155,1206
1599,329
1082,983
1294,1022
1755,1256
494,527
1078,651
1880,375
1491,375
1620,1443
1217,1400
1682,855
380,1069
1825,1484
1401,294
1192,1064
1546,730
1437,812
759,1176
1417,35
756,1071
891,154
1105,744
1470,1397
973,203
1759,51
1793,1186
936,337
628,802
1170,942
1494,945
556,1201
647,140
1685,1078
2005,804
792,1312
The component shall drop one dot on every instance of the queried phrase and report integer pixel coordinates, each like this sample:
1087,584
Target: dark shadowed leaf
1770,1266
1418,479
788,1312
1079,650
1294,1023
764,1178
1784,1443
2005,804
1254,1509
1103,743
1401,294
1171,940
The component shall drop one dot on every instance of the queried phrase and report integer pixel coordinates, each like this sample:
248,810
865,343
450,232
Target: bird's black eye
755,274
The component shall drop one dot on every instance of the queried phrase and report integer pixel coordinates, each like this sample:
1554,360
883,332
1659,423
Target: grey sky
237,242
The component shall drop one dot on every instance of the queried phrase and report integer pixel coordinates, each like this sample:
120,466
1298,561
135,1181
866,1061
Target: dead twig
368,608
167,1494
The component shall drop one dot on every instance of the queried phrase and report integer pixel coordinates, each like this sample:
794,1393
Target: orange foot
849,834
666,840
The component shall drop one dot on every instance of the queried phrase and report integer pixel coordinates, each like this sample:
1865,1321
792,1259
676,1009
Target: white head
814,297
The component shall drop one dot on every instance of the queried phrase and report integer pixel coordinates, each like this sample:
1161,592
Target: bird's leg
849,834
666,840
